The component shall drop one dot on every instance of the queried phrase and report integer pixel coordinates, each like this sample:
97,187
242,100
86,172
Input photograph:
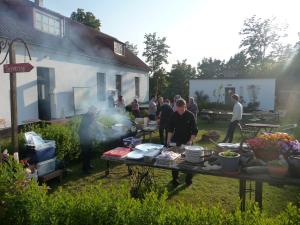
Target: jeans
163,135
229,136
175,173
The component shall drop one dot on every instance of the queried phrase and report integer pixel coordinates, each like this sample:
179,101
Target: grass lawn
207,190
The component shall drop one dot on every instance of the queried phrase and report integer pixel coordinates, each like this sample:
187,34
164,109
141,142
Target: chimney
39,3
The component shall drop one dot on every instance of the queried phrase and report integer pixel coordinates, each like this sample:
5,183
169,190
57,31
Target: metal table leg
258,193
243,194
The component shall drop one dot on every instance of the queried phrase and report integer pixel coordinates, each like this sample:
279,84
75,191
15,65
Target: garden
100,199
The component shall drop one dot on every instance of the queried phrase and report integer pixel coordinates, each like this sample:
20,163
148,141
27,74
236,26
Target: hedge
27,203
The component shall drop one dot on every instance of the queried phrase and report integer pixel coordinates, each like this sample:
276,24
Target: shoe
175,183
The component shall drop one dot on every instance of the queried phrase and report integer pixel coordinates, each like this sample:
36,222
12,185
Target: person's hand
189,142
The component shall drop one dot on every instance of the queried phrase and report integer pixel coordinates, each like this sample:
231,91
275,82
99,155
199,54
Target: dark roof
16,18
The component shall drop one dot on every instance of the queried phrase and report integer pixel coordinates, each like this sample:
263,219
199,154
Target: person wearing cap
182,129
237,115
87,131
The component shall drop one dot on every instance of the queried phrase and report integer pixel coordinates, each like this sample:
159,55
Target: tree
179,77
156,53
131,47
211,68
237,65
86,18
159,80
262,41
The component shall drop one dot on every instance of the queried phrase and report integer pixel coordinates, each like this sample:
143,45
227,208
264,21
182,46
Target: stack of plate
194,154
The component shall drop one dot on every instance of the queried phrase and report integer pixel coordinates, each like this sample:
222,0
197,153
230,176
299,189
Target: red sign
17,68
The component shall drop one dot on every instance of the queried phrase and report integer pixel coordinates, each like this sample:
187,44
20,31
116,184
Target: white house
68,58
249,89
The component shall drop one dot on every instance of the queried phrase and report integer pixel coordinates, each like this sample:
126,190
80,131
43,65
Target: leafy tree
211,68
237,65
86,18
262,41
156,53
132,47
179,77
159,80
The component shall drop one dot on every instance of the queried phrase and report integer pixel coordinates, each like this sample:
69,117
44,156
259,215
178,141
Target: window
101,89
47,23
137,86
119,48
119,84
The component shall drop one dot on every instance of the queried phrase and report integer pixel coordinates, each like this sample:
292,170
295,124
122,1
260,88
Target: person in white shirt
237,115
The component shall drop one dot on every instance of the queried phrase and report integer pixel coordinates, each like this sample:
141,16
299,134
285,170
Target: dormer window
119,48
48,23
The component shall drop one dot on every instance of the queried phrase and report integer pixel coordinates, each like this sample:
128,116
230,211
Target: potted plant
268,146
229,161
277,168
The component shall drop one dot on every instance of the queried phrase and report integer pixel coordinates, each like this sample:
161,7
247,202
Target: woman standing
135,108
193,107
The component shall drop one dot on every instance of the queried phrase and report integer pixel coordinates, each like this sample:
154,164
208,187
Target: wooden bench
52,175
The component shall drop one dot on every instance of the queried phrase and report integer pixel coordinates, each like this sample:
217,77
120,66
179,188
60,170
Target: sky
194,28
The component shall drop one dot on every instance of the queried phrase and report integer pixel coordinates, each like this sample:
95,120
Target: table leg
107,168
258,193
150,137
243,194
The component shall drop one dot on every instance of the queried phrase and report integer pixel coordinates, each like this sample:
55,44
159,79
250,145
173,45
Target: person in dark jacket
182,130
86,137
193,107
165,113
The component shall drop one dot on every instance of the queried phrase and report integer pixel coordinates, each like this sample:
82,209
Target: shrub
30,204
65,137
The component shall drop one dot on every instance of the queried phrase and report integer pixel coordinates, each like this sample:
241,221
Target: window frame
137,86
119,90
59,26
121,47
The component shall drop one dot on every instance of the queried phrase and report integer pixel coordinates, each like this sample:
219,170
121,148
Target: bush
65,136
30,204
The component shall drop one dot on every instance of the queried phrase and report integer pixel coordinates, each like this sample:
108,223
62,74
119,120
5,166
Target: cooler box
46,167
38,149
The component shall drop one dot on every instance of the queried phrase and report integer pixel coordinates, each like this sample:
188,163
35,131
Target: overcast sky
194,28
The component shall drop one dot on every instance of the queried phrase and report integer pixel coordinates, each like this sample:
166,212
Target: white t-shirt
237,113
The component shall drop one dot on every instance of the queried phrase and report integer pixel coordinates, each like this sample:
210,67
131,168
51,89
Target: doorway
229,91
43,88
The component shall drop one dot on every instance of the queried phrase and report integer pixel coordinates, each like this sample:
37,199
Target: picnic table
213,116
186,167
262,126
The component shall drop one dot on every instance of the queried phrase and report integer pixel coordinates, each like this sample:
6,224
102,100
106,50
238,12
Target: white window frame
60,20
119,48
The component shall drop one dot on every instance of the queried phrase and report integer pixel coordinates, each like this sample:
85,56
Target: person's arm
194,130
171,128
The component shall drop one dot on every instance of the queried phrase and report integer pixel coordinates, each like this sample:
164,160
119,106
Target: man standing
87,129
165,113
152,108
182,130
237,115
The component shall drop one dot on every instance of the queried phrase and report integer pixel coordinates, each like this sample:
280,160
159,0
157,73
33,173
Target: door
43,86
229,91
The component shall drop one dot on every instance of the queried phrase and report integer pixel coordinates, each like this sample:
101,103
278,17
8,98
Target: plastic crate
46,167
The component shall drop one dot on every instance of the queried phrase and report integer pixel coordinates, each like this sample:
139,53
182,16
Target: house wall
215,89
69,71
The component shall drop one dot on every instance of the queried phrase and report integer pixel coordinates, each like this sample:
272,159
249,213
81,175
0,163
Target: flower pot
277,171
229,164
266,154
294,166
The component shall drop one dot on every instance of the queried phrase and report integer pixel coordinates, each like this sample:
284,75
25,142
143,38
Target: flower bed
268,146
